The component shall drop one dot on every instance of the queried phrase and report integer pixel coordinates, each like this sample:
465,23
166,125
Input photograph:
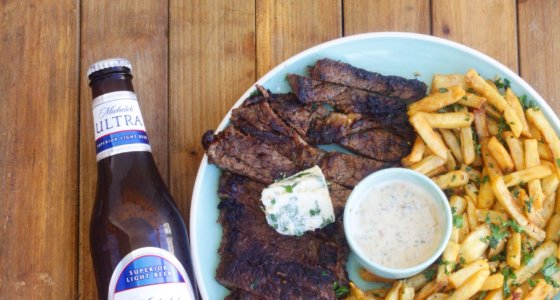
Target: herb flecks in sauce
397,224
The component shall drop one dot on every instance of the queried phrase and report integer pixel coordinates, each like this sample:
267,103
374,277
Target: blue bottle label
118,124
150,273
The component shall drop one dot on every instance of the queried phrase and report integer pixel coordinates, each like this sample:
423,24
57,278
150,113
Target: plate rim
203,166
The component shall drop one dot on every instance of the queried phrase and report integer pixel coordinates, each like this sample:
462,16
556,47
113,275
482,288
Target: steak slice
258,120
241,211
241,294
378,144
345,74
294,113
257,259
337,126
244,155
385,109
347,169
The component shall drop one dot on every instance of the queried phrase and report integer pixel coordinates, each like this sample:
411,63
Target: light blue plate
404,54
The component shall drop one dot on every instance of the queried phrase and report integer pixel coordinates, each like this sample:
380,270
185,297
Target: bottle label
118,124
150,273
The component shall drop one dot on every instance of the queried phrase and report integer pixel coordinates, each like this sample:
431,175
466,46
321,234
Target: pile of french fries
498,160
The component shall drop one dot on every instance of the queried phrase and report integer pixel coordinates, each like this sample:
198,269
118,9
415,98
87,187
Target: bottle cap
109,63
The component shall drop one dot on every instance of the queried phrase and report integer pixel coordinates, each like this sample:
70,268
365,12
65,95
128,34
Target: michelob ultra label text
150,273
118,124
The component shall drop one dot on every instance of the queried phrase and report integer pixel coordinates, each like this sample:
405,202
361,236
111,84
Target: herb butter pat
298,203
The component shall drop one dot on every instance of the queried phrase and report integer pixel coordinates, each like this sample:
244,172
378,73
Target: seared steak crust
241,154
345,74
385,109
260,261
348,170
378,144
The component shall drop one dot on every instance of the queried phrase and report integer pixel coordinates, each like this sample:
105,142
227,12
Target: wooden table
192,60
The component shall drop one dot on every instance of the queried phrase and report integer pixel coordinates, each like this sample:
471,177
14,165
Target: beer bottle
139,242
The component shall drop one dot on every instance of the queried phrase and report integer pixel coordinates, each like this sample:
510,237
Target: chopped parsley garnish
482,295
496,235
513,225
549,269
485,179
516,193
458,221
528,103
339,290
477,148
502,84
470,90
558,162
526,253
443,90
314,212
502,125
529,204
290,188
531,282
429,274
508,274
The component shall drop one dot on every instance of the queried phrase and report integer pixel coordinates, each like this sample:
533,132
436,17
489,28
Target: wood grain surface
39,150
191,61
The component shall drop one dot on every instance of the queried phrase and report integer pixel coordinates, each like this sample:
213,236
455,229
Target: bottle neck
118,123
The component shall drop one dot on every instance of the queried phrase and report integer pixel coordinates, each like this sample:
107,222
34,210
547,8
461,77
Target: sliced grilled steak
378,144
339,195
258,120
256,258
337,126
294,113
345,74
241,154
240,294
385,109
348,170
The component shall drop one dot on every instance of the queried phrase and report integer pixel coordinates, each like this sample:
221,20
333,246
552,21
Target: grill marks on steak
385,109
238,153
260,261
345,74
379,144
257,119
318,126
348,170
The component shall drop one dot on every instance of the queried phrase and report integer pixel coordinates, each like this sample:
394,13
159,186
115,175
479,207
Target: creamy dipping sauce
397,224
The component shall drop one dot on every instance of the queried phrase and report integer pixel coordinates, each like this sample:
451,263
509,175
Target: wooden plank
386,15
539,29
285,28
136,30
38,153
212,62
486,25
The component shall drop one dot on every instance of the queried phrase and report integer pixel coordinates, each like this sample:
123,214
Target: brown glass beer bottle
139,242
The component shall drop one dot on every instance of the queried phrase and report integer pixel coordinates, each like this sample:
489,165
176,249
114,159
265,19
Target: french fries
430,137
452,179
513,101
536,117
448,120
500,154
437,100
493,97
513,251
532,160
516,150
499,164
